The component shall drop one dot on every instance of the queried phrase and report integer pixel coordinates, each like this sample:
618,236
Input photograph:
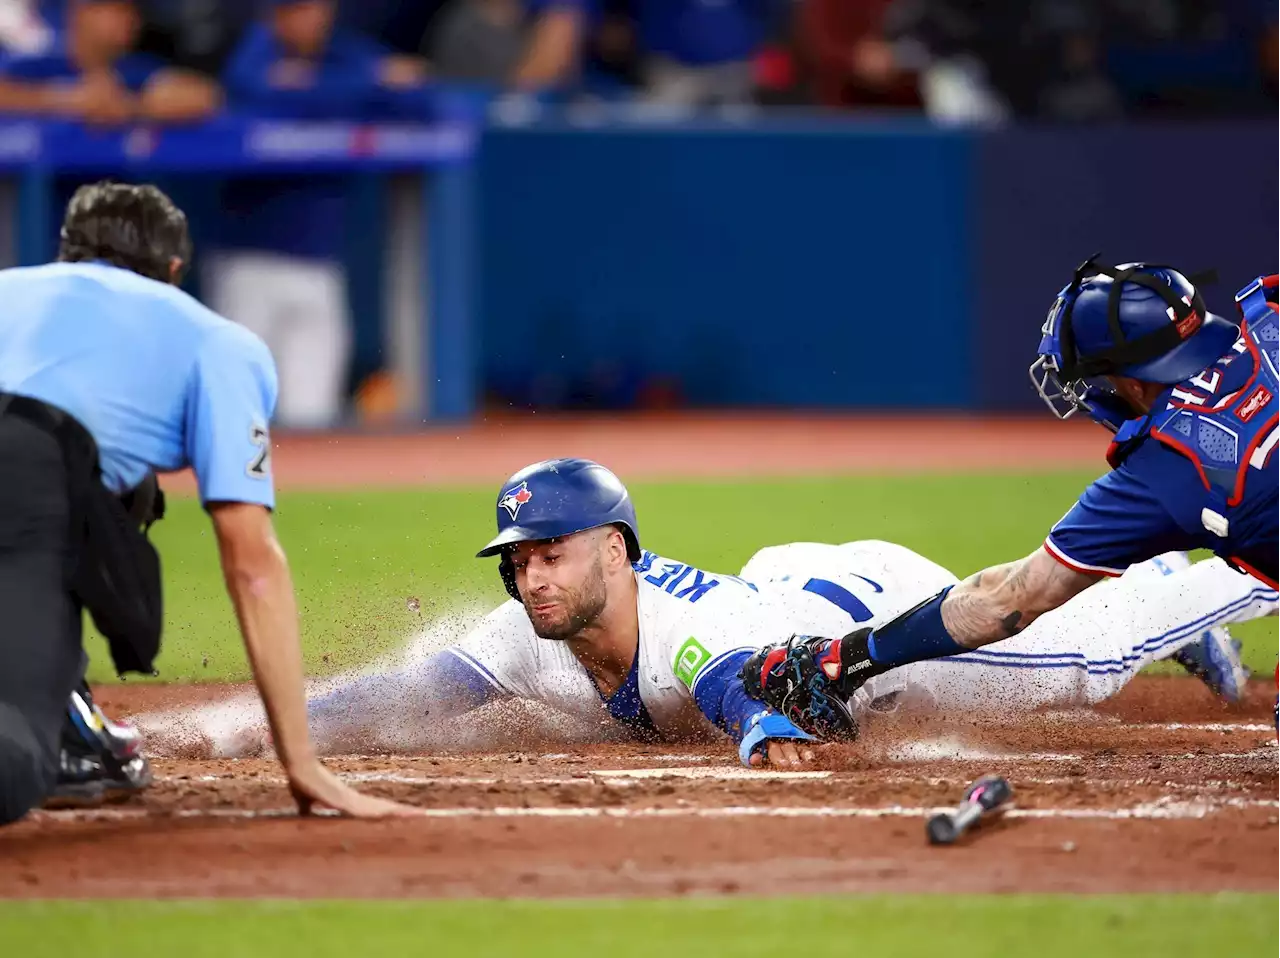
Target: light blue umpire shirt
160,381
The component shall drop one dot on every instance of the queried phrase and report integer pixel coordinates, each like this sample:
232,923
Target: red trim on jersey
1074,566
1266,579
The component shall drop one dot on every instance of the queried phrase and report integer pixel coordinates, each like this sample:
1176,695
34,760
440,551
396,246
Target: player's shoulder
510,618
1154,468
675,584
507,626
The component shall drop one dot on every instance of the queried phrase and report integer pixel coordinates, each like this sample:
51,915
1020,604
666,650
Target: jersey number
260,465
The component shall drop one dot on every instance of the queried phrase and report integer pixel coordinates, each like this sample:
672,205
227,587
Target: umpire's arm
231,398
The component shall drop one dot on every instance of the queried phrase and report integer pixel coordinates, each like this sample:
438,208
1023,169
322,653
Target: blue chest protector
1223,419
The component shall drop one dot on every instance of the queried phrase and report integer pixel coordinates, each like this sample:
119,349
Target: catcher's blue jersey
159,381
1198,472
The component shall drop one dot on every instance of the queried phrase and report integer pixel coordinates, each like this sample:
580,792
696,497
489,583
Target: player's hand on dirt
783,753
314,784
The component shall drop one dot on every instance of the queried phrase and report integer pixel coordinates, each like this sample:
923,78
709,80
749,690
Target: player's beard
582,606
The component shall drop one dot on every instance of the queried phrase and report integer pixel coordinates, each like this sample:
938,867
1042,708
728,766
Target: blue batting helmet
1138,320
558,497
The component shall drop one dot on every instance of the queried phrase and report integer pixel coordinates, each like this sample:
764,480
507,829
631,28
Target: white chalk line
1166,808
603,777
1204,726
620,778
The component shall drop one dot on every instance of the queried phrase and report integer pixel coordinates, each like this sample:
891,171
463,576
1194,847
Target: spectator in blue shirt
700,52
278,268
91,72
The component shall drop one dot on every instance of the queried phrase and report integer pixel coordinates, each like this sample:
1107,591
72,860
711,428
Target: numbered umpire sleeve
229,409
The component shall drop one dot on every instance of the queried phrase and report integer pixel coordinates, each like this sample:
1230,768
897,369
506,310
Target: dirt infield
682,446
1161,790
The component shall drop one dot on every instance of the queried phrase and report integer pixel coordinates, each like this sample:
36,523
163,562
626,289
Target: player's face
561,583
100,32
304,26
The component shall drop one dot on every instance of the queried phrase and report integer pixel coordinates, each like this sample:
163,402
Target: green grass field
358,557
1171,926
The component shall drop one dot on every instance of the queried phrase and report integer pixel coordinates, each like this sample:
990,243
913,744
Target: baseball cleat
100,760
1215,660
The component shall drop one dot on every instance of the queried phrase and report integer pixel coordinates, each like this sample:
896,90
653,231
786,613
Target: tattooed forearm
999,602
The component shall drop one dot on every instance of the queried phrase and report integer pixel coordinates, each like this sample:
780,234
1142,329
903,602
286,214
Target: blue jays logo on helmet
1136,320
514,499
557,498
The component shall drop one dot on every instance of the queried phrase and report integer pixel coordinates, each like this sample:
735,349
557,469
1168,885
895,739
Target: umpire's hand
315,783
261,589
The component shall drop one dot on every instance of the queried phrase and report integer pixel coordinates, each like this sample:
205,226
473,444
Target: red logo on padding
1257,401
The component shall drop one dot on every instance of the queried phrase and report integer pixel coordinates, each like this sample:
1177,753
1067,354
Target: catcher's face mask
1069,381
1064,398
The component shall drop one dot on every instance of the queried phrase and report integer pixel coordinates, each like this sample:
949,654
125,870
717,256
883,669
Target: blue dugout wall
783,262
848,265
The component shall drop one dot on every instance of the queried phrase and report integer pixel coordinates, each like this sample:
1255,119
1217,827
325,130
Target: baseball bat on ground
987,797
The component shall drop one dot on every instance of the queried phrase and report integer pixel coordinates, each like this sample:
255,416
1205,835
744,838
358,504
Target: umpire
108,374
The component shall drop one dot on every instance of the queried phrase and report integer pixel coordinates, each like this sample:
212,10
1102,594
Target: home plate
720,773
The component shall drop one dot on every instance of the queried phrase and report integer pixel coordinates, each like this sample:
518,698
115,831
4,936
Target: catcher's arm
1001,601
809,679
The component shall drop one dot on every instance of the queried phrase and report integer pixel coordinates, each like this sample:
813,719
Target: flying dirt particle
325,658
204,661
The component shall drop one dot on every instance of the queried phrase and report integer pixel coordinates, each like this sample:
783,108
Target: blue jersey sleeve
722,699
446,685
1148,506
229,408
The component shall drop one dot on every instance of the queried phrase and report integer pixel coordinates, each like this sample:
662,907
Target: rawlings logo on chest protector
1256,402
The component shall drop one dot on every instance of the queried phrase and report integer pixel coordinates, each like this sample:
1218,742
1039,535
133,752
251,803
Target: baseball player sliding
596,624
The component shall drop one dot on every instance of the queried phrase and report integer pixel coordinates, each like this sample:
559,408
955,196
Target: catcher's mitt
804,680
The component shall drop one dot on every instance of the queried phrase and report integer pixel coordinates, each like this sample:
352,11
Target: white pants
1088,649
1079,654
299,309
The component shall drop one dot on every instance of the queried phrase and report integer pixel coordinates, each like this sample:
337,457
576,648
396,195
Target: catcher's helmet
1143,321
558,497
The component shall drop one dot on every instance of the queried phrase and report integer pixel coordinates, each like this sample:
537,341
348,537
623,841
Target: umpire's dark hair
131,226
